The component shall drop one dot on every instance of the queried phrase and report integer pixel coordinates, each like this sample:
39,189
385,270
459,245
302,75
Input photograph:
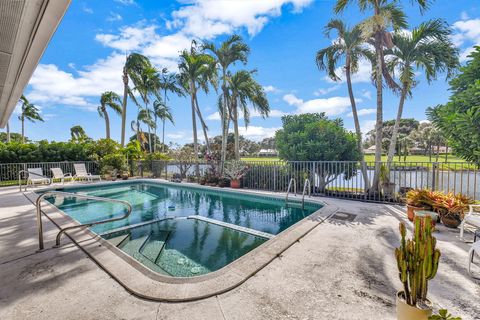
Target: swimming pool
179,230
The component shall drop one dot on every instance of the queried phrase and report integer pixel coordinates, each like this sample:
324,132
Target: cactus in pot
417,261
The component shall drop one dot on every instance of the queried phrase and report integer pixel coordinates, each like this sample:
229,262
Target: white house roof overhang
26,27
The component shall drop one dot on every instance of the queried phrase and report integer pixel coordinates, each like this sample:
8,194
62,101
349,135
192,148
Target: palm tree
8,132
162,112
350,45
144,116
229,52
427,47
170,83
242,88
134,65
197,71
386,14
112,100
29,112
78,134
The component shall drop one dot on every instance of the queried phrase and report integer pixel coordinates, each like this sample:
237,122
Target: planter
388,188
411,211
451,220
235,183
408,312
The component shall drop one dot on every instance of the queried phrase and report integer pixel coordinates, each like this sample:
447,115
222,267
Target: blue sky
86,55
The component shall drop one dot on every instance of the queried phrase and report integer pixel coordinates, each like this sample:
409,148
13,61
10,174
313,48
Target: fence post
434,170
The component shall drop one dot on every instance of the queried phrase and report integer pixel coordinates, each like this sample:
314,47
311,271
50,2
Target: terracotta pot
408,312
451,220
411,211
235,183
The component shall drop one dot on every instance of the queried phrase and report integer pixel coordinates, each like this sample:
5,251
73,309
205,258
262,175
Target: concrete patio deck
340,270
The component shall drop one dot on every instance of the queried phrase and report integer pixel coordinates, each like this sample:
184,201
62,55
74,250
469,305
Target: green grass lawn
260,159
371,157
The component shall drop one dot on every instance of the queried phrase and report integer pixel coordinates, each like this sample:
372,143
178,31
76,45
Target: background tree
161,111
459,119
313,137
170,83
349,45
405,128
134,64
8,137
12,137
427,47
268,143
112,100
28,112
227,54
243,91
78,135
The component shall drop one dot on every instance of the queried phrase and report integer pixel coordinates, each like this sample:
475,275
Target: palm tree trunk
204,126
236,134
163,135
357,124
224,122
124,105
107,124
23,129
379,123
194,128
446,151
8,132
393,140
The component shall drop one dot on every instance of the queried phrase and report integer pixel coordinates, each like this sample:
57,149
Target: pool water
169,243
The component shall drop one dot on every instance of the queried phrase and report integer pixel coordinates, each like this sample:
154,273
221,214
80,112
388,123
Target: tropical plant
132,69
226,54
427,47
417,261
170,83
459,119
197,72
443,314
78,135
112,100
28,112
313,137
8,132
114,162
161,111
419,198
349,45
387,14
143,116
236,170
242,90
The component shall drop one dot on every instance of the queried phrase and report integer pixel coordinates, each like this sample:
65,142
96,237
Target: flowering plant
235,170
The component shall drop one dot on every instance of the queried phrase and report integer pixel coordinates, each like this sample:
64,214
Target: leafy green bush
114,161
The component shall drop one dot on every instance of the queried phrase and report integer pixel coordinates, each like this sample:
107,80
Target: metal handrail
289,186
57,241
307,182
29,173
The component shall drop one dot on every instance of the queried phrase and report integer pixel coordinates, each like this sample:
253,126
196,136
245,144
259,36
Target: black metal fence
9,172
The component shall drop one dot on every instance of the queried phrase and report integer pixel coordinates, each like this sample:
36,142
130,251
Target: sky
87,52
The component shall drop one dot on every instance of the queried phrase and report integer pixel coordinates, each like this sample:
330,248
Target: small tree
313,137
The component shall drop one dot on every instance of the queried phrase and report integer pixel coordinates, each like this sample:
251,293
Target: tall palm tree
387,14
170,83
144,116
112,100
349,45
148,84
241,90
161,111
134,65
78,134
427,47
29,112
8,132
227,54
197,72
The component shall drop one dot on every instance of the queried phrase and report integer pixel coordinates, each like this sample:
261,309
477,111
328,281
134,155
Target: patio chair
81,173
471,218
474,249
35,175
58,174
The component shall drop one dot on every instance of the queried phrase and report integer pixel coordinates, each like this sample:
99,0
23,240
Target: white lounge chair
81,173
58,174
471,218
35,175
474,249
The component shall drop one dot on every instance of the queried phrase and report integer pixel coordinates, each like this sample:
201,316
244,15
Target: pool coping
145,283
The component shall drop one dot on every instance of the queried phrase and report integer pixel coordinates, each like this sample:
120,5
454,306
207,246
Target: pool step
153,245
116,241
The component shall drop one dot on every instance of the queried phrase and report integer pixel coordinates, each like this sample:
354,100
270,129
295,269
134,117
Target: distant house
370,150
268,153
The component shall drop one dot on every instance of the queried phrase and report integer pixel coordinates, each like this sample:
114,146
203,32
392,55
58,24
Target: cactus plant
417,260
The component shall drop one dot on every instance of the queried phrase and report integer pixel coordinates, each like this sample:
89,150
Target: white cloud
367,126
257,133
130,38
114,17
87,9
209,18
274,113
464,15
331,106
324,91
270,89
363,73
367,94
362,112
468,34
126,2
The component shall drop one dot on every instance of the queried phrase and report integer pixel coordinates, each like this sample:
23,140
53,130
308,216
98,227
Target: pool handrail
289,187
71,194
307,182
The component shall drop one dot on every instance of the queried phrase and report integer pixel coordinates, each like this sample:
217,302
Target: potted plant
223,182
417,199
417,262
452,208
235,170
443,314
388,187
